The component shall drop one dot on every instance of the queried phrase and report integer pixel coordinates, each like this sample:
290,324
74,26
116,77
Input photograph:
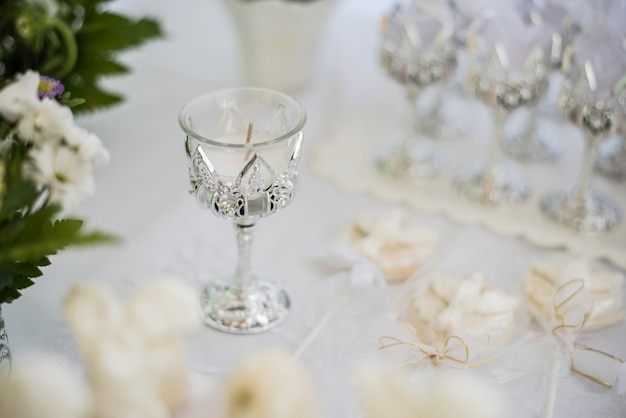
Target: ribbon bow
572,305
454,353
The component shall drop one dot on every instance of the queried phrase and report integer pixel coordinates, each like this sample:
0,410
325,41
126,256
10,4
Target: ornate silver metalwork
256,192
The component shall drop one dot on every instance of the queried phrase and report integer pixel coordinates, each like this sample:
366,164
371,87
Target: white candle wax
230,162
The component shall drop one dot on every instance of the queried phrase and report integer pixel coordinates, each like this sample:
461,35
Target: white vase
279,40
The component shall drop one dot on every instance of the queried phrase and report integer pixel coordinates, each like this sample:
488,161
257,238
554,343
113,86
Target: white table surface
142,196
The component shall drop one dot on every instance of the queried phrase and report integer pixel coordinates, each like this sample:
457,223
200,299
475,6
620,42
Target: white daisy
65,174
47,122
20,97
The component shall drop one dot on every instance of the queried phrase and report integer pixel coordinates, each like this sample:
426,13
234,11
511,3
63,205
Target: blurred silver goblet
582,208
538,140
504,90
418,50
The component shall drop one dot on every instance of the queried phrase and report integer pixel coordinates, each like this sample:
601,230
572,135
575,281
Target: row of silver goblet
243,147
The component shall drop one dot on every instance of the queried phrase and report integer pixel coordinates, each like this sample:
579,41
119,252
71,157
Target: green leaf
34,237
27,270
114,32
96,64
9,294
6,276
95,98
19,196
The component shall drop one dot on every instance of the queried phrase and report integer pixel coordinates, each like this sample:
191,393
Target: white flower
87,145
164,308
383,394
270,384
44,386
65,174
20,97
47,121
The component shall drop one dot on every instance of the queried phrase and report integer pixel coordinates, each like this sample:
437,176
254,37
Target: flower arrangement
46,164
53,54
74,41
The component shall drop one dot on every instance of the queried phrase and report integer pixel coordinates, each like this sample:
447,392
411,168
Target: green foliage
77,45
30,229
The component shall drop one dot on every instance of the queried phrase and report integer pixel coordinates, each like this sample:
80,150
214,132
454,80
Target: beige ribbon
455,352
572,305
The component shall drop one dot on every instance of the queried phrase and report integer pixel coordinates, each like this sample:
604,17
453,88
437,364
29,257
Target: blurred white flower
46,122
20,98
65,174
166,307
384,394
87,145
44,386
270,384
133,351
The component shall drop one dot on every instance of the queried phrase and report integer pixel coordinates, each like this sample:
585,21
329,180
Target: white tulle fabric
568,298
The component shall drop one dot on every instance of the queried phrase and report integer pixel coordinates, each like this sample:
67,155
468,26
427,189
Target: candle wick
249,134
248,139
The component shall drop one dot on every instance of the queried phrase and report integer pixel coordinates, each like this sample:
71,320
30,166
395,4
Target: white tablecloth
142,196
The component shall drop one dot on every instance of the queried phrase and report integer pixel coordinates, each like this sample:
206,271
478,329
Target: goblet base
497,186
409,162
611,160
591,214
532,148
244,309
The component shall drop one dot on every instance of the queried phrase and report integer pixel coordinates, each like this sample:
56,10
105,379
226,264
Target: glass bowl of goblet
243,146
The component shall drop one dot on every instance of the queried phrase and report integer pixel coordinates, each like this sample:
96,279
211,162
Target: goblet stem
411,158
494,154
245,234
583,185
493,184
412,122
583,209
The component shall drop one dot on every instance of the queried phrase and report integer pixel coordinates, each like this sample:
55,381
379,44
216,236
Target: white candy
392,242
444,306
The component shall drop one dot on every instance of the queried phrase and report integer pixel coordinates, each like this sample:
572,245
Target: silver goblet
243,146
504,90
418,50
582,208
539,140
